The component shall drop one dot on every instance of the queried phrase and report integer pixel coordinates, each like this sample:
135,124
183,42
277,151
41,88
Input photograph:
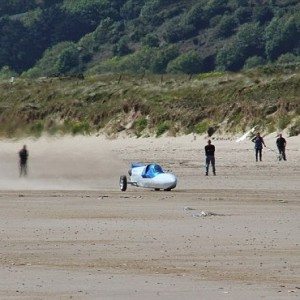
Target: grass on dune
150,104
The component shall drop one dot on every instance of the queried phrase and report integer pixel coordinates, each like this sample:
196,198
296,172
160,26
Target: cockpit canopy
152,170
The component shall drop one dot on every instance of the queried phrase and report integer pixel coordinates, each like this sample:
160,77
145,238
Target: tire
123,183
168,190
156,189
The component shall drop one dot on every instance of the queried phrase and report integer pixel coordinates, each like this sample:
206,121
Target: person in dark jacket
259,142
210,157
23,155
281,144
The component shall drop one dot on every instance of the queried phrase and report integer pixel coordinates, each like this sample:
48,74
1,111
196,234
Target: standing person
210,157
259,142
23,155
281,144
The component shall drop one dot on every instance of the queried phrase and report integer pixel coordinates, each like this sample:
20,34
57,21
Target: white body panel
160,181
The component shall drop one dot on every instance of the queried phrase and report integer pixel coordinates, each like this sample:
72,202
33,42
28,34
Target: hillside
268,98
59,37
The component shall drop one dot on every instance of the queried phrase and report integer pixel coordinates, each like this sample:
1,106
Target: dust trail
64,163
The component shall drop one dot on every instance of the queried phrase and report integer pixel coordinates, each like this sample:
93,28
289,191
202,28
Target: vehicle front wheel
123,183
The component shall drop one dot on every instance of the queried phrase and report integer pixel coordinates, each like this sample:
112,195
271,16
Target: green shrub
82,6
81,128
176,31
6,73
131,9
229,58
283,122
295,128
52,128
214,74
150,10
138,32
102,33
288,58
215,7
250,40
282,35
226,26
271,127
36,129
196,16
76,127
162,57
254,61
201,127
247,42
135,63
188,63
162,128
263,14
214,21
243,15
68,60
140,124
121,48
49,64
151,40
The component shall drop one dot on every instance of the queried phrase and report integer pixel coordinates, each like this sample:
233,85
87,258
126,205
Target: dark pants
282,152
23,169
258,152
210,159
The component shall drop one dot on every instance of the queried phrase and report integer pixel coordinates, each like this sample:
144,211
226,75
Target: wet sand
68,232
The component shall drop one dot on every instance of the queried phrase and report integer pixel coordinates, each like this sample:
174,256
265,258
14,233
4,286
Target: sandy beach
67,232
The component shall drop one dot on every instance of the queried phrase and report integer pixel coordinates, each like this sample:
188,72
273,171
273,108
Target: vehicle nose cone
172,180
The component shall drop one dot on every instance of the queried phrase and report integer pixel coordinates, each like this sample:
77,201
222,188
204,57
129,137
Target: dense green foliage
59,37
189,63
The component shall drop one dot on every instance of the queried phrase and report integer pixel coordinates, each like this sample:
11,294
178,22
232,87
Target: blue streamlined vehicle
148,176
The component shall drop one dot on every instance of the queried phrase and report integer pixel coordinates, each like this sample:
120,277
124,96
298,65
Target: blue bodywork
150,171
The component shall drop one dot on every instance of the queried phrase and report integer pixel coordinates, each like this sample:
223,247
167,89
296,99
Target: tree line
48,37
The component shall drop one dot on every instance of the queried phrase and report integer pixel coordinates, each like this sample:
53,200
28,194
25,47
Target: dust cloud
64,163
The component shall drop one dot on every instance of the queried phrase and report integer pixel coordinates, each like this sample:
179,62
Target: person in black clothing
210,157
259,142
281,144
23,155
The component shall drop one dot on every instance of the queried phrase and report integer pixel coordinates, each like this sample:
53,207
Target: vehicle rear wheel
123,183
156,189
168,190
